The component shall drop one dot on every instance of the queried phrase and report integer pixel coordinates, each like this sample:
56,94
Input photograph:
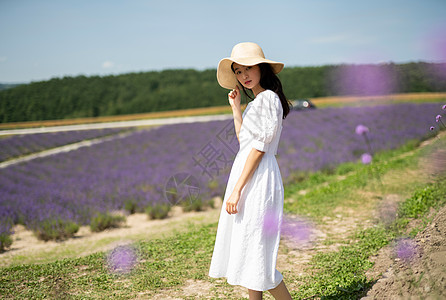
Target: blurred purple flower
406,249
366,158
432,128
122,259
366,80
435,44
297,230
438,120
443,107
361,129
271,223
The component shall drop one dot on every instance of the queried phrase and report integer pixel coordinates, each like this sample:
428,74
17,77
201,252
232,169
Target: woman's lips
247,82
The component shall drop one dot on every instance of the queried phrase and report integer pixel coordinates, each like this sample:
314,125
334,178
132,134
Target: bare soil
421,272
420,275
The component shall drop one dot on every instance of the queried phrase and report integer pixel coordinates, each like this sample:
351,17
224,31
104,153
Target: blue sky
45,39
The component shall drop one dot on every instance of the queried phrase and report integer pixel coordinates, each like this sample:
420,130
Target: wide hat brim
226,77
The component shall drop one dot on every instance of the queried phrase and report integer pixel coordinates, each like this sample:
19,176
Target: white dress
247,243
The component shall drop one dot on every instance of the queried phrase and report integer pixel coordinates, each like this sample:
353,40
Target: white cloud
108,64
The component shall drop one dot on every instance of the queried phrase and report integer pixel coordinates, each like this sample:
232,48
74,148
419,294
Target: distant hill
4,86
81,96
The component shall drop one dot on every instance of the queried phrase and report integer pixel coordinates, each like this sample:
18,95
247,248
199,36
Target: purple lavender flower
366,158
432,128
406,250
78,184
361,129
443,107
122,259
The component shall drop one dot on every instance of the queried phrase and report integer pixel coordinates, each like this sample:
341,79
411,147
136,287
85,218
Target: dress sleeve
262,120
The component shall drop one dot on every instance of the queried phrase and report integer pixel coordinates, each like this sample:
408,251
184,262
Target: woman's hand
231,203
234,97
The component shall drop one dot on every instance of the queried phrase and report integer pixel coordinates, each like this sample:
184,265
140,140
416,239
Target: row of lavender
139,168
18,145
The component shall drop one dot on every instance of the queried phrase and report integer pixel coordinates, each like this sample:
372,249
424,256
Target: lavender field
18,145
78,184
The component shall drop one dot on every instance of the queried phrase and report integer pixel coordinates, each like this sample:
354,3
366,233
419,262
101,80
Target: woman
248,232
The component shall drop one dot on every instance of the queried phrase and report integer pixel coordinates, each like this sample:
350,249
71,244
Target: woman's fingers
231,208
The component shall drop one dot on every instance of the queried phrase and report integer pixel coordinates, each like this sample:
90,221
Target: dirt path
293,258
65,148
421,272
118,124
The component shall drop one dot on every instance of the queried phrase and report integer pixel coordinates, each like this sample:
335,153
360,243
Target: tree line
81,96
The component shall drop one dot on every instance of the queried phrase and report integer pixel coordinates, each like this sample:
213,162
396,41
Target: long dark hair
270,81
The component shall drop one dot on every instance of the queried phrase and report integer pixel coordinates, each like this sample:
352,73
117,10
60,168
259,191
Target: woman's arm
237,113
234,100
252,162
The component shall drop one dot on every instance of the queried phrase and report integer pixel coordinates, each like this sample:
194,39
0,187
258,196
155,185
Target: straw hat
246,54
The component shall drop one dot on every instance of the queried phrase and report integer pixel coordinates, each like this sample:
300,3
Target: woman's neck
257,90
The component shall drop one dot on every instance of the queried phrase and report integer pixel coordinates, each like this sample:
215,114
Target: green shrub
5,241
158,210
192,205
55,229
131,206
211,203
213,187
5,233
105,220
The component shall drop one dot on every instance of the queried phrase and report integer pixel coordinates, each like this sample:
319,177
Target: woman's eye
247,68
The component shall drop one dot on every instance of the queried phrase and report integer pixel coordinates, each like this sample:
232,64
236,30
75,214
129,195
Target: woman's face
248,76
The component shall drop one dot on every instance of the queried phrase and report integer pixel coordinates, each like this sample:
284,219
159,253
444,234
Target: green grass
167,263
325,191
341,274
163,263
